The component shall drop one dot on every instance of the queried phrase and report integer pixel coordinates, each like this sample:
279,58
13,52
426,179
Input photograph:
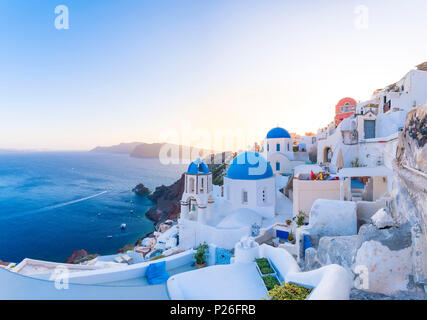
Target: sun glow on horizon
228,71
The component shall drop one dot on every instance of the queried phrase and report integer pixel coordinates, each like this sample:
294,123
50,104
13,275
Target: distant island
147,150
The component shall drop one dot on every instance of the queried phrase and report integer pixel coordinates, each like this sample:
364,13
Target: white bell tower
197,192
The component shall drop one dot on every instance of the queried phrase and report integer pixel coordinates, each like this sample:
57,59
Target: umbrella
340,160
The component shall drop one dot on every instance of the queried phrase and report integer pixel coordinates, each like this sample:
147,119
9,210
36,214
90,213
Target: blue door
369,129
222,256
277,166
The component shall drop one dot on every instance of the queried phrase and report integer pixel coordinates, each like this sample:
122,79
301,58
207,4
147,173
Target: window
342,109
288,146
192,184
277,166
268,147
202,185
244,197
346,108
278,147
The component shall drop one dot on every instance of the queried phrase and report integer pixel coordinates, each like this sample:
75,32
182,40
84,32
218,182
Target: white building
371,134
250,183
278,150
222,215
197,191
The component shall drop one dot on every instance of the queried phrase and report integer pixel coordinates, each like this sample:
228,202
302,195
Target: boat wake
60,205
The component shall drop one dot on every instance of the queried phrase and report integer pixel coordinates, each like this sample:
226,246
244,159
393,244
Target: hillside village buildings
359,208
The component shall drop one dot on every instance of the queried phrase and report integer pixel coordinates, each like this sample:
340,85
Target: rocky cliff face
79,256
141,190
167,198
167,202
410,198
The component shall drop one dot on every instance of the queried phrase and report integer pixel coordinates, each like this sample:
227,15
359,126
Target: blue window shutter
369,129
277,166
278,147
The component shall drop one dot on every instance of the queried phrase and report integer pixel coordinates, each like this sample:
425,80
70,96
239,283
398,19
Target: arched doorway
327,155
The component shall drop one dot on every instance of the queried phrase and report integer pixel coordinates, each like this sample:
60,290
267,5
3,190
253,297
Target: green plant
300,218
159,256
289,291
266,270
270,282
200,254
356,163
262,263
291,237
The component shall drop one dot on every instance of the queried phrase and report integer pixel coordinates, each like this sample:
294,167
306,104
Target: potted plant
200,255
291,238
300,219
288,222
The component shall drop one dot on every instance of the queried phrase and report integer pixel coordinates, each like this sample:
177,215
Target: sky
212,73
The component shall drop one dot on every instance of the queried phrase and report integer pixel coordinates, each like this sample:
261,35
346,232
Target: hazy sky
162,70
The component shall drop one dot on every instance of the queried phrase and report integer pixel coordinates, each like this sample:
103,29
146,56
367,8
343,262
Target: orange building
344,109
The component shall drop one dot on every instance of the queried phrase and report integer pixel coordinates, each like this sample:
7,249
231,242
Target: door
222,256
369,129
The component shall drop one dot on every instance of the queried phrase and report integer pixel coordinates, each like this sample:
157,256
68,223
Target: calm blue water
49,202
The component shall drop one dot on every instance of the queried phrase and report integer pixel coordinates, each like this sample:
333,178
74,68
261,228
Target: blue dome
278,133
198,167
249,166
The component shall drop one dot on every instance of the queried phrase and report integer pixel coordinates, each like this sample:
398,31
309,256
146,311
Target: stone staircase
356,194
361,192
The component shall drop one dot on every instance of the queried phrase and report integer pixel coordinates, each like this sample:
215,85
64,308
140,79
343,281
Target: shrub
159,256
266,270
270,282
262,263
200,254
289,291
291,237
300,218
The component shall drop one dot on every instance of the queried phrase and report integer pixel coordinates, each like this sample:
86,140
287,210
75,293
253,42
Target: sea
53,203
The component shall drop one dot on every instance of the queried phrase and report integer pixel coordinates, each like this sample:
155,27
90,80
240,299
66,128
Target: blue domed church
222,215
250,183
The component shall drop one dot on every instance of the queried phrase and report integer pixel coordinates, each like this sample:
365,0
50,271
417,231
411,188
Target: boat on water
123,226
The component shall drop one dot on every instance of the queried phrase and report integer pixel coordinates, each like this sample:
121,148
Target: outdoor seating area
126,259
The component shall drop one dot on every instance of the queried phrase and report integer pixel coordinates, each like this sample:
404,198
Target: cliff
146,150
410,170
118,148
80,256
141,190
151,150
166,199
